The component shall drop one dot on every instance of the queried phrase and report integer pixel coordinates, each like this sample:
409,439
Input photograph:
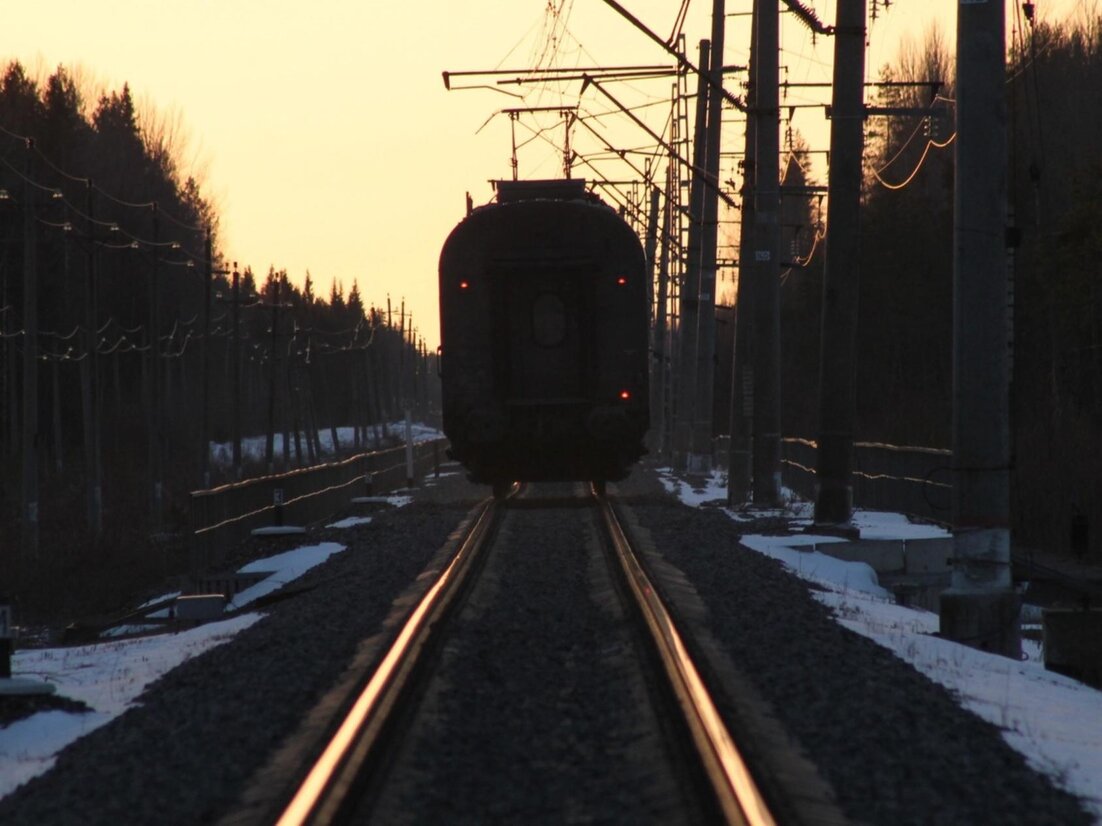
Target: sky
323,131
1054,721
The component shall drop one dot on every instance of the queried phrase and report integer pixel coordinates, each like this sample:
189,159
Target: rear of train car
543,318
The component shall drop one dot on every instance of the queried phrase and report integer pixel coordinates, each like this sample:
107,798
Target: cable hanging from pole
58,195
89,181
921,161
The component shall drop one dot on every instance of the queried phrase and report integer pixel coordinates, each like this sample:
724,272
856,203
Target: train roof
560,189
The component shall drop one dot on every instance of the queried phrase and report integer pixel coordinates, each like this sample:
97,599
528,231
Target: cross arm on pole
708,180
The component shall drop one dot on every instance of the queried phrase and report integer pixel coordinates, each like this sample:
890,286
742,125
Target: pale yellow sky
323,130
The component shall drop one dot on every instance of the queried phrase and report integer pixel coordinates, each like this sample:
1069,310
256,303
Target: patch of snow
350,522
281,569
809,564
107,676
110,676
1053,721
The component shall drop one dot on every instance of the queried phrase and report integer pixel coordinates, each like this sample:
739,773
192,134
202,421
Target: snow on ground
1054,721
350,522
253,448
281,569
109,677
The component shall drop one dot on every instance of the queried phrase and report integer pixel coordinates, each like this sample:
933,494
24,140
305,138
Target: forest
1054,245
139,342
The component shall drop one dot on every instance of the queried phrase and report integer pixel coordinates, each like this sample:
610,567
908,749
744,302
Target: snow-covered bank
109,677
1053,721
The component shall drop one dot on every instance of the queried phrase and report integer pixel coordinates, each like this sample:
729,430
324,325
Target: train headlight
625,395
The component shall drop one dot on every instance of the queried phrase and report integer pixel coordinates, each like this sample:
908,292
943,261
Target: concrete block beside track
882,555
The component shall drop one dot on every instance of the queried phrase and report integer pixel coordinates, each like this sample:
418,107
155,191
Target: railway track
540,709
604,707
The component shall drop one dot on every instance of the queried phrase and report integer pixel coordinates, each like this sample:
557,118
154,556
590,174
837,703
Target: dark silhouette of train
543,325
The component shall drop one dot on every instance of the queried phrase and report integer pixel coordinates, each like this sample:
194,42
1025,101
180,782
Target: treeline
129,341
1054,246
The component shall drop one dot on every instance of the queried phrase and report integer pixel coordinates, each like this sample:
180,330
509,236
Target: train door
545,319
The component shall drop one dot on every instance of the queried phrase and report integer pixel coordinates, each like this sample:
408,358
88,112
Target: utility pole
689,305
766,266
706,318
58,440
29,535
204,357
387,365
287,410
236,298
269,446
10,447
402,357
980,607
739,464
155,424
89,374
660,353
650,250
838,353
567,154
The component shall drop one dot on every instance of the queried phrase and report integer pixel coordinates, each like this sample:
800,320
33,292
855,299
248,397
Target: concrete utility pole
89,374
651,251
156,425
701,456
650,248
8,383
236,298
838,354
660,355
204,358
273,363
739,466
766,266
980,608
689,305
29,534
402,398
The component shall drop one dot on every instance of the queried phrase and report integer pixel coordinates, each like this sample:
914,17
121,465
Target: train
544,316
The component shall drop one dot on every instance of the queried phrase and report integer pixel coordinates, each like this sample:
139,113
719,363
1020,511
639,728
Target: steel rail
329,783
736,792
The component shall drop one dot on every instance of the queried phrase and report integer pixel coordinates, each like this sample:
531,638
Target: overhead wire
903,148
57,168
33,144
29,181
925,152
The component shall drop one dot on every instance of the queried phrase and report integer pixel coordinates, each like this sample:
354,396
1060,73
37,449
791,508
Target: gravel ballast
186,751
539,712
896,747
